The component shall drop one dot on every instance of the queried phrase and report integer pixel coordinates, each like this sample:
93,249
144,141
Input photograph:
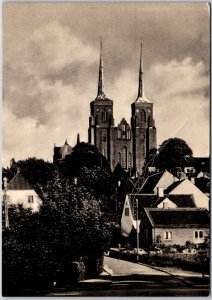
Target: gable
166,180
166,203
187,187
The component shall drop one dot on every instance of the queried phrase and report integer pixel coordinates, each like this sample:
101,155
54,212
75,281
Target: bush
75,272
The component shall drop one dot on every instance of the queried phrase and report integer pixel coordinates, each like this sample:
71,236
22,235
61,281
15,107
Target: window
130,160
128,135
104,138
127,212
124,157
123,127
104,116
30,199
198,234
119,134
103,152
167,235
119,157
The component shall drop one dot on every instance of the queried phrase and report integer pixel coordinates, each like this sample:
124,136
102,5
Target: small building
128,219
173,226
19,191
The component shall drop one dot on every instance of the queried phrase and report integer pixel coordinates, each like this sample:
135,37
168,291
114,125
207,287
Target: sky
51,61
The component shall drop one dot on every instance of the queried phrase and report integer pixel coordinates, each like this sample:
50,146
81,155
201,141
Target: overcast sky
50,71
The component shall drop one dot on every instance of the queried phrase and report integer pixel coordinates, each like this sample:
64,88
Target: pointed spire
141,84
78,138
100,93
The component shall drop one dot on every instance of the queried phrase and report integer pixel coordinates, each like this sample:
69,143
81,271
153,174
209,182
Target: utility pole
6,204
137,229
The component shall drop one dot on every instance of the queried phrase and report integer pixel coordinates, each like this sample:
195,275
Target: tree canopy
173,153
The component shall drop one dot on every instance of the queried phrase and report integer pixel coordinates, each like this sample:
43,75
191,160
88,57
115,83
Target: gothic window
143,116
128,135
123,127
119,157
130,160
104,116
124,158
119,134
103,152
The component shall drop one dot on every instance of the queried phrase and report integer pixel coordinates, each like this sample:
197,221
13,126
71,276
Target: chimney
165,205
160,192
193,180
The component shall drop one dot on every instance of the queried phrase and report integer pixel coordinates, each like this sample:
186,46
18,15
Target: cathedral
126,144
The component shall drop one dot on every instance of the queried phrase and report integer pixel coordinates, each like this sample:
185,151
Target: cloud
179,90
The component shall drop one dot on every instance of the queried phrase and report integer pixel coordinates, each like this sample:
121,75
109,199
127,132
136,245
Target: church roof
18,182
65,150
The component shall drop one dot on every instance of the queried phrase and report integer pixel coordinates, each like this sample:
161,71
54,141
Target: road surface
124,278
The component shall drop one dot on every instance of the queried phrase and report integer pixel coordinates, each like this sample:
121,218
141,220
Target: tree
69,227
172,154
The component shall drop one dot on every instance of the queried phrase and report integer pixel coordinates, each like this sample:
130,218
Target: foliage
172,154
68,227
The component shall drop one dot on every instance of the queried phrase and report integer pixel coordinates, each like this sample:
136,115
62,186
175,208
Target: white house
187,187
19,191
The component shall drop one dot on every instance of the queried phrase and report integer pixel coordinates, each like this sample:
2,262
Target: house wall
179,235
188,188
126,221
21,197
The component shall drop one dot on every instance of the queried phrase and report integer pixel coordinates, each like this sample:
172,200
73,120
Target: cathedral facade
126,144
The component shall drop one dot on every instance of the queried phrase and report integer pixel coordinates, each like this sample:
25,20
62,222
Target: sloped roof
173,186
151,182
179,200
18,182
178,217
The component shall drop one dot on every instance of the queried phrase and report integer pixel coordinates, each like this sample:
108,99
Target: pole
6,204
137,229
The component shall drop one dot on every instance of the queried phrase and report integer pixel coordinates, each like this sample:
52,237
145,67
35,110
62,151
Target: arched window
130,160
103,152
124,158
143,116
104,116
119,157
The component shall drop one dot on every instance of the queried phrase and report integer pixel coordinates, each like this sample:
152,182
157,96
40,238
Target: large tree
173,153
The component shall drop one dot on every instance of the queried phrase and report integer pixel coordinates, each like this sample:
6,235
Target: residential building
19,191
173,226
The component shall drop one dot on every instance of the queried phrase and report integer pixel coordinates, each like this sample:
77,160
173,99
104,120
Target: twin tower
127,145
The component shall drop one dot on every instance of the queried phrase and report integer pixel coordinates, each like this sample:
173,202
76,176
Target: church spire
100,93
141,83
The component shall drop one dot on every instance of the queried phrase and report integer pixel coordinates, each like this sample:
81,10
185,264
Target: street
122,278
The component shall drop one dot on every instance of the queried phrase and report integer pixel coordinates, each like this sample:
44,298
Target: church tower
101,122
142,125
